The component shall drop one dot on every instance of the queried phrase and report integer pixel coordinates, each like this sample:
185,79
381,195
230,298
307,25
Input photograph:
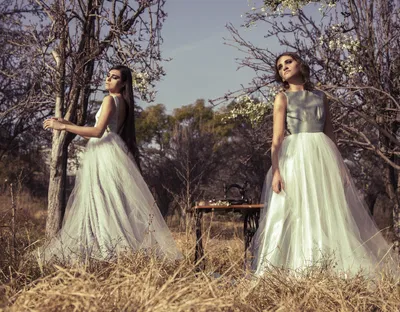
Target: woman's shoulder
112,99
108,102
318,92
281,96
108,99
280,100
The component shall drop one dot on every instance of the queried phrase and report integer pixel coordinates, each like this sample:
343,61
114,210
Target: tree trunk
58,174
392,192
395,196
396,213
58,162
396,225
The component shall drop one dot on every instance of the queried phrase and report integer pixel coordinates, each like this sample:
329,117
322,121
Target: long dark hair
127,131
304,70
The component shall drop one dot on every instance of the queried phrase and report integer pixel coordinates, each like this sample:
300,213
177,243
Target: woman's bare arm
67,122
107,109
279,118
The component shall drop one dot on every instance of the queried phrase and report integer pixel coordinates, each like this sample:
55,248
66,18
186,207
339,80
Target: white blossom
347,44
251,109
140,81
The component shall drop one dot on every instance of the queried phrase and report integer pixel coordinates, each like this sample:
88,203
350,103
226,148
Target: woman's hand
55,123
277,182
63,121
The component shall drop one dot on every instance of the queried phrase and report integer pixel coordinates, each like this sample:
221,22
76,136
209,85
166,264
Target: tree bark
58,175
58,162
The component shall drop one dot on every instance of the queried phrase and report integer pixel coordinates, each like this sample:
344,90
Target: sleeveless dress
319,215
111,209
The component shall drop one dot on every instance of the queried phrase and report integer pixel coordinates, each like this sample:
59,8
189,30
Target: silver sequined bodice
305,111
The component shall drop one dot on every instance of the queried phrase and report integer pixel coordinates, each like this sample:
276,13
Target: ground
138,282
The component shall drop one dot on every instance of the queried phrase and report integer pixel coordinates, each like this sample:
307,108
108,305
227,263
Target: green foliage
203,118
200,116
152,125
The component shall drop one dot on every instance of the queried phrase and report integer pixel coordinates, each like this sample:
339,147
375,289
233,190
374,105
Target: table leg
199,251
250,227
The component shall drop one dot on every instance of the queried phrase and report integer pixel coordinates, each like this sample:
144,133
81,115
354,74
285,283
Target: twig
13,216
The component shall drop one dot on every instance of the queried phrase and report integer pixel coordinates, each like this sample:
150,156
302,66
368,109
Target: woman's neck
114,93
296,87
296,83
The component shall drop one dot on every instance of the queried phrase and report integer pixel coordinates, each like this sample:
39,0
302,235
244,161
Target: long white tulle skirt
318,216
110,210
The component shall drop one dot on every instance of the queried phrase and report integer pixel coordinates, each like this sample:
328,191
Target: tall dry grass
28,228
139,282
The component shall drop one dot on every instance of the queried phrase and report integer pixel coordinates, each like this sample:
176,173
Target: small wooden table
251,214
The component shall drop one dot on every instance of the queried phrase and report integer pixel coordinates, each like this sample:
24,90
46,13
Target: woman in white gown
111,209
311,208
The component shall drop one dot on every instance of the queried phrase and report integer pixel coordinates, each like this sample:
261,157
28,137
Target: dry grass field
138,282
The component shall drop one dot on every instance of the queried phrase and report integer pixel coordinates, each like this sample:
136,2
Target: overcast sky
202,66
